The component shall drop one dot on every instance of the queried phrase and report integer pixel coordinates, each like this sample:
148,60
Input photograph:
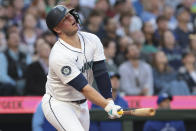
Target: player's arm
80,83
100,71
102,79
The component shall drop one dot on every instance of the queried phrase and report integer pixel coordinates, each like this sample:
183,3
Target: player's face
68,25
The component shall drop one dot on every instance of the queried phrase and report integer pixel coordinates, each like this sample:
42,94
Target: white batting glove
112,110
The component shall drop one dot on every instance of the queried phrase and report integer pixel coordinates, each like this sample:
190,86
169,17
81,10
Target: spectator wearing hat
163,102
114,126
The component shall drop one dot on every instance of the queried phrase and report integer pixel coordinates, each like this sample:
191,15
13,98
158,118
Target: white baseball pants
66,116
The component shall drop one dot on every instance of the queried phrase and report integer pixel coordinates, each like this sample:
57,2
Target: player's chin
72,32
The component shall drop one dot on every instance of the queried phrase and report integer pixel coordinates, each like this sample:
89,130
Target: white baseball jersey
66,62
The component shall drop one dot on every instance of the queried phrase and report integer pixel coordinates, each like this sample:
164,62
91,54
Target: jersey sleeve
65,69
99,52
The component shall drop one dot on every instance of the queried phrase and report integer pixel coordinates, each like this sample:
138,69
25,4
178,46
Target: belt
79,101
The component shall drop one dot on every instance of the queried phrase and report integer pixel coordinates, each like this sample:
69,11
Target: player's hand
112,110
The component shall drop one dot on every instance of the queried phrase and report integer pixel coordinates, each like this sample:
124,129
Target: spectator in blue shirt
39,122
138,6
114,126
164,103
12,67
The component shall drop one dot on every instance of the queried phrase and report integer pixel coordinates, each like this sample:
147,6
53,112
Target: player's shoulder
88,35
58,52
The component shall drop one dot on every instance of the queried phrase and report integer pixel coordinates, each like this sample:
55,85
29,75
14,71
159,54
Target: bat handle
120,111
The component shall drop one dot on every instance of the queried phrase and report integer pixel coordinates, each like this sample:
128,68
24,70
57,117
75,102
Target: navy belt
79,101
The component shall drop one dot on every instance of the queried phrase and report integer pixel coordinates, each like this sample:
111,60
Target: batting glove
112,110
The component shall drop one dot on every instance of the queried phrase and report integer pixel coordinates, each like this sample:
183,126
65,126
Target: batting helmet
57,13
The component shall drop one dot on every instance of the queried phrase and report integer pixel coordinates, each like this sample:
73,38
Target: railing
188,116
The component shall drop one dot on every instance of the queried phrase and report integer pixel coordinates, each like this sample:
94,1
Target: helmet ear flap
75,14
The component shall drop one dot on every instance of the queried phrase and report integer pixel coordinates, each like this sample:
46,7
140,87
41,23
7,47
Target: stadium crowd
150,43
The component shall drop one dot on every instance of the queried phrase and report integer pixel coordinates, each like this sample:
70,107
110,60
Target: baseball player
74,59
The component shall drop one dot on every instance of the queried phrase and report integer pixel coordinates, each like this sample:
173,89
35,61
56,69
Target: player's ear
57,30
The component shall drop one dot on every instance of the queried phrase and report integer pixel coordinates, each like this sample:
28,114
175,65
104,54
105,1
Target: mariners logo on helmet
66,70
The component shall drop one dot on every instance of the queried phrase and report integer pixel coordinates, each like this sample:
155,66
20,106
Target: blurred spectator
139,42
151,10
125,20
37,9
39,122
148,48
128,23
118,8
163,102
49,37
124,41
102,5
165,79
114,126
49,4
110,27
162,26
2,11
182,31
188,71
162,73
173,53
18,10
29,32
36,73
94,22
13,64
136,75
110,51
168,13
86,7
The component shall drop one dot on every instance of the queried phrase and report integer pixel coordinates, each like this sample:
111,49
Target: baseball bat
138,112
